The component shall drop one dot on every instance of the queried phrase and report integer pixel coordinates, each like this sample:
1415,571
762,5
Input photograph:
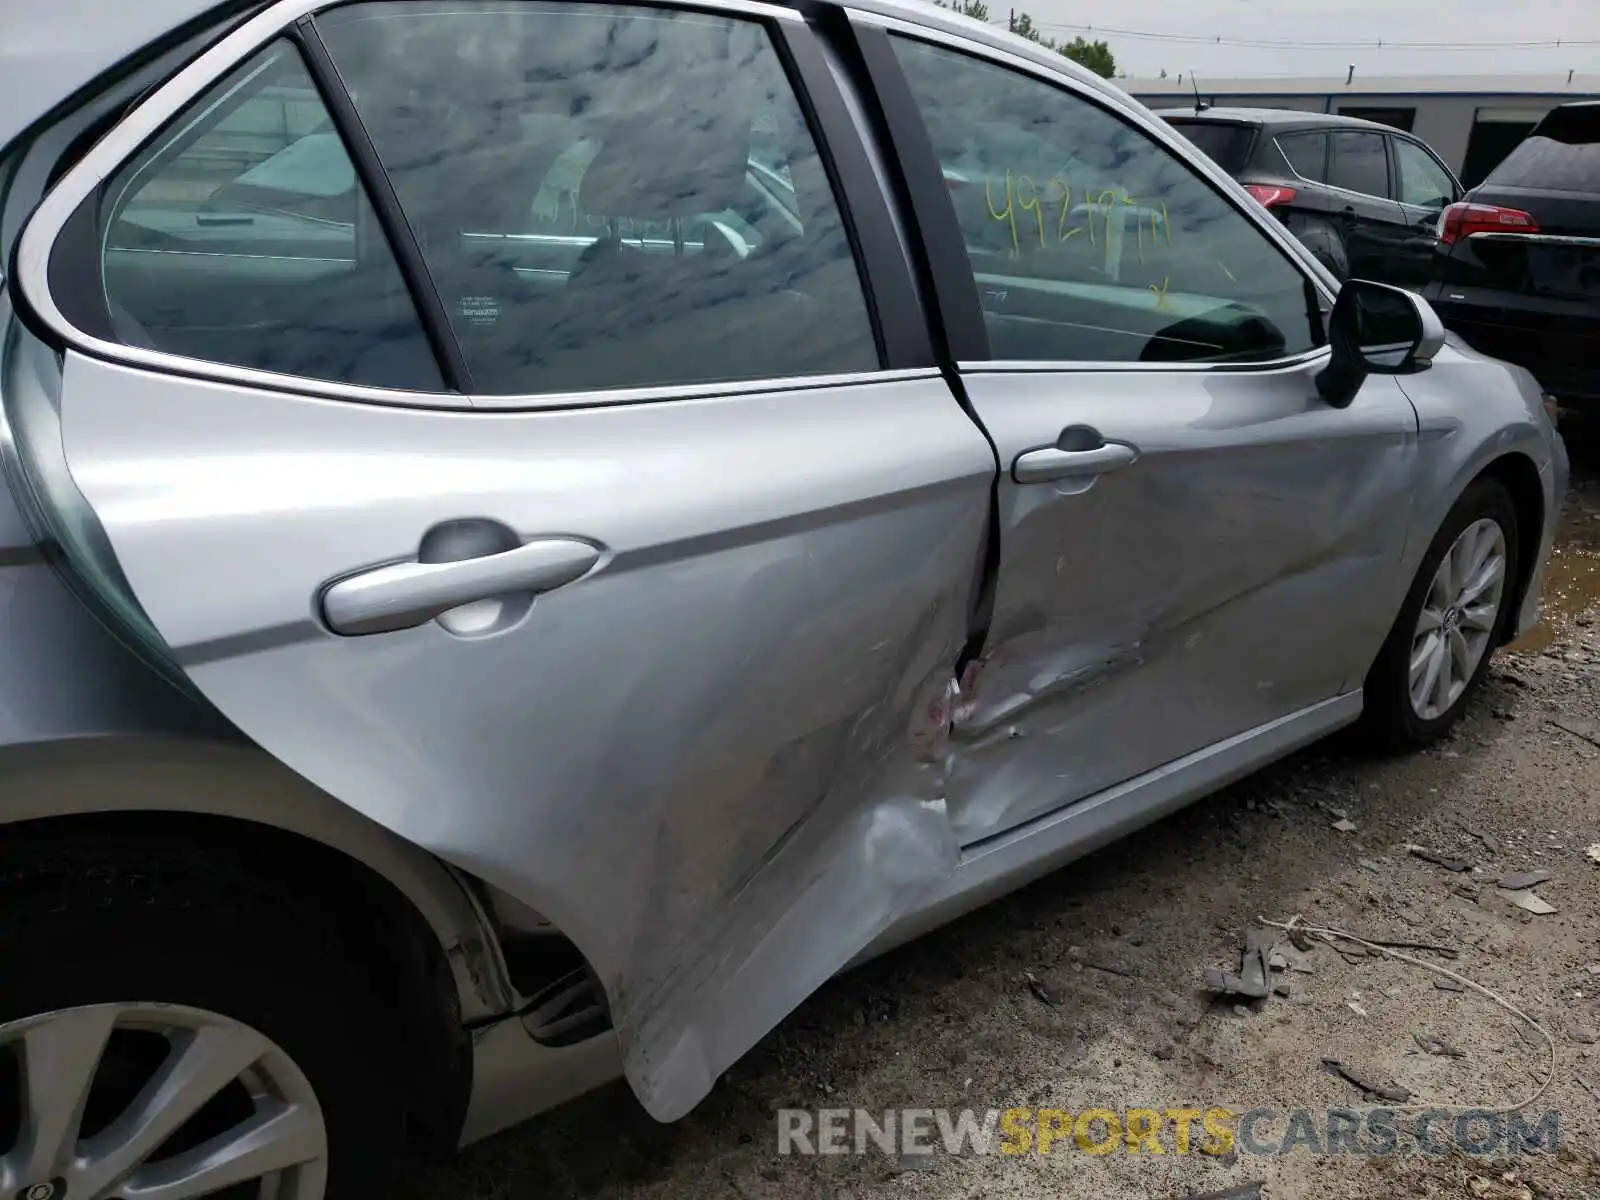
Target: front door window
1088,240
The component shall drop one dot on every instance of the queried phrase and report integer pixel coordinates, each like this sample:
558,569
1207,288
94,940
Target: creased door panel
1238,570
713,761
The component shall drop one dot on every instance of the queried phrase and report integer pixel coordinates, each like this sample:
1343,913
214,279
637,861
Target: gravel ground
1086,989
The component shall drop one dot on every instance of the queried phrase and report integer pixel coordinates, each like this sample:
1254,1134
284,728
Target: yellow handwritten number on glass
1008,214
1031,204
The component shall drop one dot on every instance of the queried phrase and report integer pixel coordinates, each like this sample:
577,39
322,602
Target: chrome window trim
128,135
1162,134
696,391
1293,362
1548,239
1289,162
1344,191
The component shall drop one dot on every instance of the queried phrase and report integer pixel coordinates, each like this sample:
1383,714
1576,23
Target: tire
88,919
1392,718
1333,264
1326,246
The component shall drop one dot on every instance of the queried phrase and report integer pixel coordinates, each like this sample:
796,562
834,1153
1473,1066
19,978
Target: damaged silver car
537,532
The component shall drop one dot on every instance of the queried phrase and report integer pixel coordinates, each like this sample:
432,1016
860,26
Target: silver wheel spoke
274,1139
1482,545
1425,674
60,1057
1439,696
1449,578
201,1064
1461,657
1422,653
1458,616
1485,576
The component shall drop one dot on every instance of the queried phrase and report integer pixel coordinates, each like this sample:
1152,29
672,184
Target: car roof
1277,119
53,50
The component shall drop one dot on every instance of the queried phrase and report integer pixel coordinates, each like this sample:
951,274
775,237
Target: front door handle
1051,463
407,594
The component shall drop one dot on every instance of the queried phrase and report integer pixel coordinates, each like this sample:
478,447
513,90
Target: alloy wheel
1458,619
154,1102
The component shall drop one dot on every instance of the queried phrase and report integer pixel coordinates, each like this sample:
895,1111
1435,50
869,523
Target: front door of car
1373,225
1192,544
1424,188
638,593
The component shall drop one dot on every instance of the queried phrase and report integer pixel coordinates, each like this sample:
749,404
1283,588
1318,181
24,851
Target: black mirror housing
1376,329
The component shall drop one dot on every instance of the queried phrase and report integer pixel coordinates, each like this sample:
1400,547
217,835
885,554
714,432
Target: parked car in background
1517,267
1364,198
534,534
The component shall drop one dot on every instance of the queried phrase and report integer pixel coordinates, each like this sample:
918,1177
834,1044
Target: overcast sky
1493,25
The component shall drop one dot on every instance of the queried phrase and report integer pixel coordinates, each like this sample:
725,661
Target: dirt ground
1086,989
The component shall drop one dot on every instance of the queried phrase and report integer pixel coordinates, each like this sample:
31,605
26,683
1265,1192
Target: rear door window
240,235
1307,154
607,196
1359,163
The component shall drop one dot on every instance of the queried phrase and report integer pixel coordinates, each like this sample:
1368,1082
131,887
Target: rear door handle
403,595
1051,463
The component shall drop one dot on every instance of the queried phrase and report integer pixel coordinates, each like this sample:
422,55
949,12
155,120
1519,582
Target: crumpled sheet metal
869,852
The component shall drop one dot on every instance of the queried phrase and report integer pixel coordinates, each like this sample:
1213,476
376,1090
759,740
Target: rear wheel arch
414,924
1325,243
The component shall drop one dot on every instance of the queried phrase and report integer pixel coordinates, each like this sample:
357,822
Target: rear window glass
1307,154
1226,145
1360,164
1562,154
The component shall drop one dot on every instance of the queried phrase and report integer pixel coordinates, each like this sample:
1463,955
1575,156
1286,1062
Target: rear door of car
1314,213
1193,546
1373,225
638,593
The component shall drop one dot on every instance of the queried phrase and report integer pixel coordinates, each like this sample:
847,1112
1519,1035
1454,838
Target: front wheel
1439,648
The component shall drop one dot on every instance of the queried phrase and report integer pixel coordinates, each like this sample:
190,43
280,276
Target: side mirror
1376,329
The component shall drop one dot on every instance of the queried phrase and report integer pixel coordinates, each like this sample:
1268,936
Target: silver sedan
537,533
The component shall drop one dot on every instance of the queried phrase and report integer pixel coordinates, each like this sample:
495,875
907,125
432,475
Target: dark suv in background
1517,261
1364,198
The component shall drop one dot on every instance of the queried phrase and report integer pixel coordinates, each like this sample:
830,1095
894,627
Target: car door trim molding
931,219
888,277
1073,366
352,132
44,227
1545,239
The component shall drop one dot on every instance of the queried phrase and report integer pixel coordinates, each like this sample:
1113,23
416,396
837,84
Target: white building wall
1446,107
